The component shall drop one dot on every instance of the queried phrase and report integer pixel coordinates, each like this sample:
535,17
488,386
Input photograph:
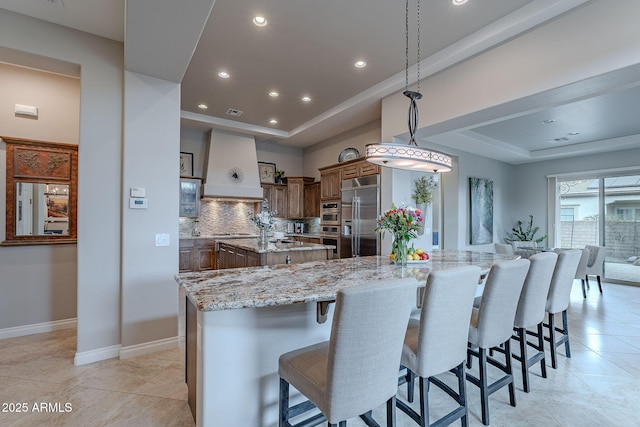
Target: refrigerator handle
356,235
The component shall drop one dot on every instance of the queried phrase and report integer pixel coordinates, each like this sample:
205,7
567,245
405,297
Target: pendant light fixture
409,156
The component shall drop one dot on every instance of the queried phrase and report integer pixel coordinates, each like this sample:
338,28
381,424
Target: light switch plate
138,192
162,240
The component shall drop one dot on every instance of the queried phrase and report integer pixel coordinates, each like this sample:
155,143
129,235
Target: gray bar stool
492,326
357,369
531,312
558,301
437,342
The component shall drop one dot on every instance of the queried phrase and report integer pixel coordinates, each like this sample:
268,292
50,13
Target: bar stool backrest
533,297
367,334
562,280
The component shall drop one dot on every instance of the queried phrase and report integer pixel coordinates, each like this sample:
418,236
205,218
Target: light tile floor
598,386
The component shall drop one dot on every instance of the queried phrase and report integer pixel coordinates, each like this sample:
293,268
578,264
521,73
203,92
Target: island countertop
274,246
277,285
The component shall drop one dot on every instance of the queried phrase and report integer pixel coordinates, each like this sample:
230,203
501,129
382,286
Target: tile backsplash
223,217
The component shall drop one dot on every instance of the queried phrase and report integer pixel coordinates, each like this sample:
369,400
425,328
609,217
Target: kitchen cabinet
234,255
295,193
305,239
190,197
196,255
330,184
359,168
312,200
276,195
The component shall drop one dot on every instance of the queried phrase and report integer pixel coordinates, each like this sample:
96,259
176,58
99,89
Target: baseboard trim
85,357
149,347
38,328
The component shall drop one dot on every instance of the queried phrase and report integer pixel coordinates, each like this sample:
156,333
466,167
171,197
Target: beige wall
326,152
39,283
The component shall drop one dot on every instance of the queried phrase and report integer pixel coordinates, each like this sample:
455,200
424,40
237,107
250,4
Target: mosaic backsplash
219,217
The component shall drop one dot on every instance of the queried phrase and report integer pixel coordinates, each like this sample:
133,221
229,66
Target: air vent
234,112
55,2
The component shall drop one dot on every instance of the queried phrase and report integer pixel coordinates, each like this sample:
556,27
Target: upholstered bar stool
531,312
595,265
357,369
558,300
492,325
437,342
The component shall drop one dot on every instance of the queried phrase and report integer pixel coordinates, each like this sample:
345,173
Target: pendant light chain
406,45
418,52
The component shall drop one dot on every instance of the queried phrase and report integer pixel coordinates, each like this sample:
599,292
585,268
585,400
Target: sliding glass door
604,211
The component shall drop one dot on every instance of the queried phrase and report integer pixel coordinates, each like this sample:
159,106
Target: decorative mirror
41,192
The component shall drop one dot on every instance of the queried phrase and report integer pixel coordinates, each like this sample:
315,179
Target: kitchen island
240,321
235,253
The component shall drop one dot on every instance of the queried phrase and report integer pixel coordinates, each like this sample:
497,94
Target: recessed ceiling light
306,98
459,2
203,106
574,133
546,122
273,121
260,21
274,94
223,75
360,64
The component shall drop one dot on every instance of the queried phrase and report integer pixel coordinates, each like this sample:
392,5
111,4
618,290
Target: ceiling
310,47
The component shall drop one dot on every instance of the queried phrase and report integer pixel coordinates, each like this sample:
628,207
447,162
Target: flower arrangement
265,218
279,175
404,223
423,192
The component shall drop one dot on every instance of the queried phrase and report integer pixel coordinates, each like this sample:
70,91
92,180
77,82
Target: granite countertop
286,284
219,236
274,246
304,234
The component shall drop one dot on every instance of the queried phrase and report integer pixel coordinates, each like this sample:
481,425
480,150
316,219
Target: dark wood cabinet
330,184
296,197
276,195
312,200
196,255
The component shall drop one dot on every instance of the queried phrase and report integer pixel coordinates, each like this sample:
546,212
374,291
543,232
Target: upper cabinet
41,192
276,195
330,184
312,200
331,176
190,197
296,201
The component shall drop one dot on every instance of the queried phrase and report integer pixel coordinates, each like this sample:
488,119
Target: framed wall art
186,164
267,172
481,205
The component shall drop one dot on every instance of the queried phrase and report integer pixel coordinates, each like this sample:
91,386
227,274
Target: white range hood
231,168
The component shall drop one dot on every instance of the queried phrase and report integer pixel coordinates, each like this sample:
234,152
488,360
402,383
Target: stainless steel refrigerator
360,209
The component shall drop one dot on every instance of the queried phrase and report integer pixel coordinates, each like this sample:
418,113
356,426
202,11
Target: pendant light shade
409,156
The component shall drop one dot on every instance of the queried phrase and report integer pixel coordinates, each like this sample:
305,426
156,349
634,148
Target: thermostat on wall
137,203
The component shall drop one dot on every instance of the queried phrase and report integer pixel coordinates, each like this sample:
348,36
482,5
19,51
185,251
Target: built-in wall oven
331,236
330,213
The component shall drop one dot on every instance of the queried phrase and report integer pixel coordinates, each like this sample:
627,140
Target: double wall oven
330,225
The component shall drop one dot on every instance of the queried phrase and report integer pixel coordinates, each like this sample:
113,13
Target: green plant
423,192
518,234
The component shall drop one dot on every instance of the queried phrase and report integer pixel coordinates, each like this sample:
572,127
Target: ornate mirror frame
40,162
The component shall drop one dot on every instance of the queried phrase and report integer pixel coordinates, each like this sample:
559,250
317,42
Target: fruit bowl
415,261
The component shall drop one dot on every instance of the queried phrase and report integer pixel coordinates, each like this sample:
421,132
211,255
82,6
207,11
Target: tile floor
598,386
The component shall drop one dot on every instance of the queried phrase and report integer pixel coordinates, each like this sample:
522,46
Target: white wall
99,187
151,147
38,283
194,141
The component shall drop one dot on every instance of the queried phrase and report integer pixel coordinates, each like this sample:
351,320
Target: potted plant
423,195
279,175
527,234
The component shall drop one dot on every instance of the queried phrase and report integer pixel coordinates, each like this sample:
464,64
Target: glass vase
263,240
400,250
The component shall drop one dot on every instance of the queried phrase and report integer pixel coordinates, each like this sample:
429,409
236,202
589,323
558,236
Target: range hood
231,168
